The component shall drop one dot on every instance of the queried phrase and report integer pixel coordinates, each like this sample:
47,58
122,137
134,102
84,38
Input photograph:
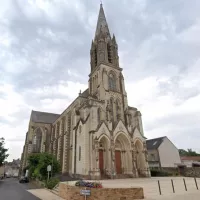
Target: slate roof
43,117
153,144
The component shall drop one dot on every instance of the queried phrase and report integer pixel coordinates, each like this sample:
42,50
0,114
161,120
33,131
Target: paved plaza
150,186
151,190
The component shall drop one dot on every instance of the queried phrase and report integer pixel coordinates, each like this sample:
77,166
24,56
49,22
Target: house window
153,157
79,153
155,143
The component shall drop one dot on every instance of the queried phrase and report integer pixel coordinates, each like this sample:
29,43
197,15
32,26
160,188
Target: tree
189,152
38,165
3,151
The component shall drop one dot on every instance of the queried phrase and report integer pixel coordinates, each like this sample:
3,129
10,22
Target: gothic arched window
111,82
37,140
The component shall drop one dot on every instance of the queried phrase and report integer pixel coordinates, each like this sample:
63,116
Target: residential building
12,168
162,153
191,161
98,134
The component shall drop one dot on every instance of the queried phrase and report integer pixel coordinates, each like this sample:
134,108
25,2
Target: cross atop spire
102,26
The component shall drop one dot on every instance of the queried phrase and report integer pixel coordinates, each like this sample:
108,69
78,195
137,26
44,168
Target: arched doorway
140,158
104,154
123,157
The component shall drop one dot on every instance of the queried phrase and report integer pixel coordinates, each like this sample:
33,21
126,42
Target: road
11,189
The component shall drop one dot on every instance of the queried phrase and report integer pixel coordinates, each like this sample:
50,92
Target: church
98,135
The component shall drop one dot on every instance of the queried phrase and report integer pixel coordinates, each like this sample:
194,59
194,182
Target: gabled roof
85,93
154,143
43,117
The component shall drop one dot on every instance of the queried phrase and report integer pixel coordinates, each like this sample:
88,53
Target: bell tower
106,81
104,49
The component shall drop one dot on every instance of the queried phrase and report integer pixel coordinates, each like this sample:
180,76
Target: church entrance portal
123,159
104,156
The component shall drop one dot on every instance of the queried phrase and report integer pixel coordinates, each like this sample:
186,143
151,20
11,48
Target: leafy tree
189,152
38,165
3,151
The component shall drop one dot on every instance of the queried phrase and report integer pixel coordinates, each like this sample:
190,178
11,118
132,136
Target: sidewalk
44,194
195,195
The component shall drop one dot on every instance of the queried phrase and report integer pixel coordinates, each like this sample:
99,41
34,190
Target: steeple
104,49
102,26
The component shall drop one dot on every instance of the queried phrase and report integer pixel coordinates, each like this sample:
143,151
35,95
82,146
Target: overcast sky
44,62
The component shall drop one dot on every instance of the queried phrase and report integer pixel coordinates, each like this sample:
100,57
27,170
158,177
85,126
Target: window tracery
37,139
112,82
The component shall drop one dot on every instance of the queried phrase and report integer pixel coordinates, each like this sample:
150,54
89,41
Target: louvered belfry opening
109,53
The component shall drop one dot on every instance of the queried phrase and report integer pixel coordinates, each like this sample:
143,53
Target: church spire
102,26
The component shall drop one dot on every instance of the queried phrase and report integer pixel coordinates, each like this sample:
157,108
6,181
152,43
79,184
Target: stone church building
98,135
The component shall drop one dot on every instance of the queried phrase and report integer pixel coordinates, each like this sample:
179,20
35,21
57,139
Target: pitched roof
85,93
191,158
154,143
43,117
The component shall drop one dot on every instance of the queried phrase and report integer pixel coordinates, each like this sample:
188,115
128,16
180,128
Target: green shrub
155,172
51,183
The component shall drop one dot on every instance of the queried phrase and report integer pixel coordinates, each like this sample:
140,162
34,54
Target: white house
162,153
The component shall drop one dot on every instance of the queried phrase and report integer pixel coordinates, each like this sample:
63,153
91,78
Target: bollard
185,184
159,187
196,182
173,186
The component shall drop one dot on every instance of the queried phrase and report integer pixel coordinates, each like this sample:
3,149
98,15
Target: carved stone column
148,174
133,149
112,150
96,148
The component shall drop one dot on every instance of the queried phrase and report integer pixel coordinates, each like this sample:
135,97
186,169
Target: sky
45,62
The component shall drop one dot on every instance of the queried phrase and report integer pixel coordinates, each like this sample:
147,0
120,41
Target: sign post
85,193
48,170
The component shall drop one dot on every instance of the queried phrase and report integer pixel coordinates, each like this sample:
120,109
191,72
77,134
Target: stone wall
73,193
192,172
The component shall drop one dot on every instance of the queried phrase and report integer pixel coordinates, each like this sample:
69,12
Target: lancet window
112,82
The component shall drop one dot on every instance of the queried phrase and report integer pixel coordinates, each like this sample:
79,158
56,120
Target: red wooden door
101,164
118,162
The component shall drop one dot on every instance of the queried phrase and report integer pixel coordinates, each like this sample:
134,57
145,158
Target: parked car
7,175
23,179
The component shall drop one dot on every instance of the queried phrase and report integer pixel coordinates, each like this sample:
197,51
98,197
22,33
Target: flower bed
88,184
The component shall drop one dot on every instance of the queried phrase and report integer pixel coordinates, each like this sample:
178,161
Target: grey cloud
45,46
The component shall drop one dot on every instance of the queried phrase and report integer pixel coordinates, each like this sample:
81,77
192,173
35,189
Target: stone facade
191,172
98,135
73,193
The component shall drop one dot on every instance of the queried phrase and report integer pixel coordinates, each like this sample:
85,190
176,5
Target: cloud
45,52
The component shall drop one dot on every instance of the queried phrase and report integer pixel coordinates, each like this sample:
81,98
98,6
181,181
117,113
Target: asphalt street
11,189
